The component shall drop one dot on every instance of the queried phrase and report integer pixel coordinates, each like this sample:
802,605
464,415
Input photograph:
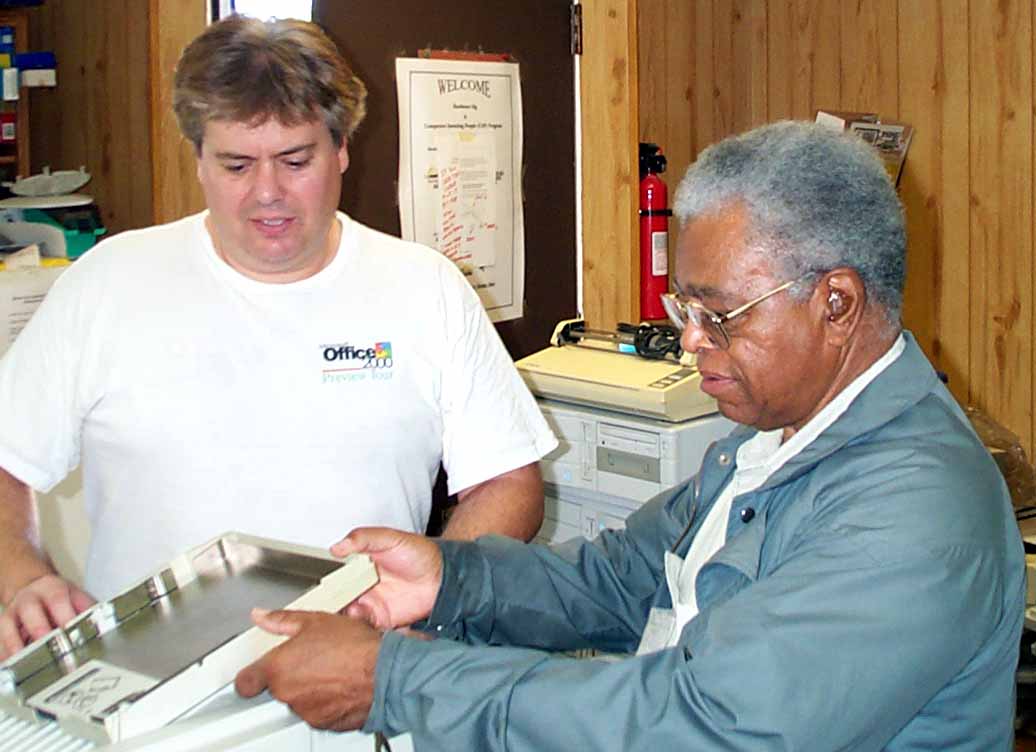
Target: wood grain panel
804,58
739,44
43,102
962,73
756,36
97,116
729,92
665,70
679,143
934,92
707,91
703,84
608,68
95,106
1000,123
98,110
679,69
780,56
131,122
747,32
664,74
176,193
869,70
57,139
654,73
821,45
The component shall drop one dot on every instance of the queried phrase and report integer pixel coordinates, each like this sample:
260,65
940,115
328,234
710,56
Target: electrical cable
656,342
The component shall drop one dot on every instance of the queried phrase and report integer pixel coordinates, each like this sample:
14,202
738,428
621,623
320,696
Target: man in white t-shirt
268,365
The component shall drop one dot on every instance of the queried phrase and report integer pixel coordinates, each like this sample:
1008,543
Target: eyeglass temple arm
742,308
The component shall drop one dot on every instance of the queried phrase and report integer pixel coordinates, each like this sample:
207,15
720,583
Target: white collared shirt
757,459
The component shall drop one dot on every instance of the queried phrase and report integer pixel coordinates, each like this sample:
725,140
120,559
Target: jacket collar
906,381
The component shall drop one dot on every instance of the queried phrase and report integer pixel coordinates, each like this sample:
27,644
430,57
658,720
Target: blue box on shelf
33,60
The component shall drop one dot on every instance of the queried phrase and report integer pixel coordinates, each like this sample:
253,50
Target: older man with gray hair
844,571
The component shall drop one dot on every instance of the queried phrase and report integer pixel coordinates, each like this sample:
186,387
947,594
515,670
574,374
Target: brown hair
242,69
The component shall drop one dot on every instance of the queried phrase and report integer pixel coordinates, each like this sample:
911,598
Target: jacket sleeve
837,648
575,595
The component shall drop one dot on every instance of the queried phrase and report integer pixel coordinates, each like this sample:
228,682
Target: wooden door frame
610,170
175,189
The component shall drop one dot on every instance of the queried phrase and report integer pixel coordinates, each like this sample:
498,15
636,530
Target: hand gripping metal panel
146,657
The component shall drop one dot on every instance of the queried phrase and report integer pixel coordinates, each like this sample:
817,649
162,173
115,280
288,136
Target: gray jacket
872,600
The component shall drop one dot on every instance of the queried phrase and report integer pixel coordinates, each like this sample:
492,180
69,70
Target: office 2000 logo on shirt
346,357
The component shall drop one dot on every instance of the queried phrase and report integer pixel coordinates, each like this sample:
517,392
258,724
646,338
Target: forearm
499,591
583,593
510,504
22,559
451,696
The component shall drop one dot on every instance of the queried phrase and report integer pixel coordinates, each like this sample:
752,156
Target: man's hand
409,572
37,608
324,673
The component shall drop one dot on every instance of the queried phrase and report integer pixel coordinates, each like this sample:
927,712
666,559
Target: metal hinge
576,24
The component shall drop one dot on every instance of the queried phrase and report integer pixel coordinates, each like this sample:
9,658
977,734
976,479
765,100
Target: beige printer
602,369
629,427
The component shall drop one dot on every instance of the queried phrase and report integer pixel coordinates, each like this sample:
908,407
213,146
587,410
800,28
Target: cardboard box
39,77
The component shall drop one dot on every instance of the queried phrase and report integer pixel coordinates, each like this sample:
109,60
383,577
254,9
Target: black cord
656,342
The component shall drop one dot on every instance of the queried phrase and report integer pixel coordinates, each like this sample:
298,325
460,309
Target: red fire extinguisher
654,233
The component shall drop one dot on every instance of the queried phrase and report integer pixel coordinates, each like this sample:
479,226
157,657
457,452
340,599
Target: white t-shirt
201,401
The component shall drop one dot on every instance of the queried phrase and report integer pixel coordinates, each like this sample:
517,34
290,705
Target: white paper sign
21,292
460,157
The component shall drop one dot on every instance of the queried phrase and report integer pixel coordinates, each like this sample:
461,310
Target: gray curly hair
817,199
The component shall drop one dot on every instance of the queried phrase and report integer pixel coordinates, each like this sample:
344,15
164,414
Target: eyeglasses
682,312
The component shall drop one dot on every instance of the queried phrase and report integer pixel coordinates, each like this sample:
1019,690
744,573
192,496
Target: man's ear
343,157
842,299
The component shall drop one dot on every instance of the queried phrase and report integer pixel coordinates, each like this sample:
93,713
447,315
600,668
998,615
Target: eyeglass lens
680,313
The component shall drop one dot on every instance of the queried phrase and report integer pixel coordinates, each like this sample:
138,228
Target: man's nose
267,187
694,338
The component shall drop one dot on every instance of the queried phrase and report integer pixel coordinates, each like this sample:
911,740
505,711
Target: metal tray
151,653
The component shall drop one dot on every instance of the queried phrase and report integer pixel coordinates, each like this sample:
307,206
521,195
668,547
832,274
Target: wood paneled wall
111,110
961,72
174,23
608,83
97,116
